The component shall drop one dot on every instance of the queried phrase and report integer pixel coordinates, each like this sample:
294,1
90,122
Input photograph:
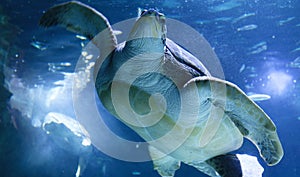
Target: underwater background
256,41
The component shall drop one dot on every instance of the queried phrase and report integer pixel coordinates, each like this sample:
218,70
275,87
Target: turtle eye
143,12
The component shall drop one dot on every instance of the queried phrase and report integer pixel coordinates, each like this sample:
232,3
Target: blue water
257,43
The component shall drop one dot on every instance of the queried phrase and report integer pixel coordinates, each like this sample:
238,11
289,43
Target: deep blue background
278,29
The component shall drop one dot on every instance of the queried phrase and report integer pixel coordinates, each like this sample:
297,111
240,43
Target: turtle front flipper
250,119
80,18
164,164
254,124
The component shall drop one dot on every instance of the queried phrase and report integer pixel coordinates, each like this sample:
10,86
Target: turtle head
150,24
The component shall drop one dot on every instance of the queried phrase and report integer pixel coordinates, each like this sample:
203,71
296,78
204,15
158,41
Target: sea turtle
69,135
195,118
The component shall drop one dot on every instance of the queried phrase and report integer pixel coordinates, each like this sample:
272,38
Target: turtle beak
160,18
150,23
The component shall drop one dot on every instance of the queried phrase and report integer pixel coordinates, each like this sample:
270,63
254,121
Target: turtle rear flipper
230,165
226,165
220,166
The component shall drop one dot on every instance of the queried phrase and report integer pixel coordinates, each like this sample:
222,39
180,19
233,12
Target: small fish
38,45
65,64
82,44
295,50
258,97
59,66
223,19
295,63
243,17
247,27
242,68
81,37
258,48
225,6
283,22
259,45
136,173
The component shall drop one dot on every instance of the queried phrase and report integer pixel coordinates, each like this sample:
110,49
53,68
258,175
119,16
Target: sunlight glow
278,82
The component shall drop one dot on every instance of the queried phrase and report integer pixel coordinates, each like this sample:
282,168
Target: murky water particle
87,71
36,122
89,57
251,69
84,53
252,75
90,65
248,86
117,32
